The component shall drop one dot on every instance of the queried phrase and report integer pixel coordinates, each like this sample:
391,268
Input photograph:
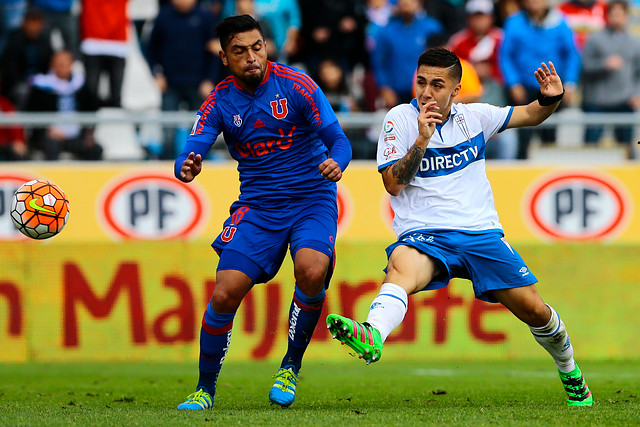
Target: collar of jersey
453,112
265,80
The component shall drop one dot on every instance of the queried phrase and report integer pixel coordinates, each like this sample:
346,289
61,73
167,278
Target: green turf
349,393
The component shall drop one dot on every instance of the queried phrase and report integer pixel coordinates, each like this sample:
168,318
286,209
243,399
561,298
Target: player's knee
224,301
310,280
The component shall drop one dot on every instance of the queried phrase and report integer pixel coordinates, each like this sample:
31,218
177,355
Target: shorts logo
228,233
230,230
524,271
237,120
419,237
281,112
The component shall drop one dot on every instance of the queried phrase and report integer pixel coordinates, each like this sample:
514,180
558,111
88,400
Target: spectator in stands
62,90
450,13
11,15
59,16
536,33
471,89
284,19
397,47
143,13
333,29
104,45
611,67
378,13
28,52
182,61
481,39
331,79
584,17
12,142
248,7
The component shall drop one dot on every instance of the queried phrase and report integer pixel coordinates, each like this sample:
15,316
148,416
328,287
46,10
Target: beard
253,79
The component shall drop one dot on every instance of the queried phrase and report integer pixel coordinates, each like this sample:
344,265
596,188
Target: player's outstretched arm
191,167
551,91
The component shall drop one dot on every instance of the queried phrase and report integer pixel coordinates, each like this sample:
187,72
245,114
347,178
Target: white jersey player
432,162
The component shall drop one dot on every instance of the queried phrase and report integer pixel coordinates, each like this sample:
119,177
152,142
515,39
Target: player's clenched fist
191,167
330,170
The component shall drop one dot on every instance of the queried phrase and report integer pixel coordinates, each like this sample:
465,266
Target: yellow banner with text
130,275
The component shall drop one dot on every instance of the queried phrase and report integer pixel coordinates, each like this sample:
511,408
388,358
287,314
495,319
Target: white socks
554,338
388,309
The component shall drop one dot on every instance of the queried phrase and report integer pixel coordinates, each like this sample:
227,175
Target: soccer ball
39,209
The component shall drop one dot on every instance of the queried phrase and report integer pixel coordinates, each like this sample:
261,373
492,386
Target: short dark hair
234,25
442,58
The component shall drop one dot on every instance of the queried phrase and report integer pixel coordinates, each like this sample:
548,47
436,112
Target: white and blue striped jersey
451,189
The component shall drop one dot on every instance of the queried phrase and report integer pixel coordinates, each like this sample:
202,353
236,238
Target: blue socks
215,336
303,317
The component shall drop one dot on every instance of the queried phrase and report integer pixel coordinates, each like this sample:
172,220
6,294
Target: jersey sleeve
393,142
313,102
493,119
204,132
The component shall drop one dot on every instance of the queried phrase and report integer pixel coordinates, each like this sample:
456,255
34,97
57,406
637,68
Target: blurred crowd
70,55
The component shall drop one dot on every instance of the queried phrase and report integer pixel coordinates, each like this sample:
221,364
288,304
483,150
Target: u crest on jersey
279,111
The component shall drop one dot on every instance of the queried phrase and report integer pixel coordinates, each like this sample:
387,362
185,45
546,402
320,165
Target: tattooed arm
399,175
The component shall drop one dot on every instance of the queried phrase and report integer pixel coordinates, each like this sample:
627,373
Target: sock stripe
305,307
216,331
552,333
396,297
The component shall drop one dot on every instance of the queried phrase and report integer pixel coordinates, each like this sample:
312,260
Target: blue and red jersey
279,135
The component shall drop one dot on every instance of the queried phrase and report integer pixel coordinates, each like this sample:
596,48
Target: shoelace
287,377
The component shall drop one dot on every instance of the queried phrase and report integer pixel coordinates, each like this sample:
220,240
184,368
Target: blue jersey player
291,151
431,158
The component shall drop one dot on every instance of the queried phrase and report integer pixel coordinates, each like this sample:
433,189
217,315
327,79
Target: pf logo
152,207
577,206
8,185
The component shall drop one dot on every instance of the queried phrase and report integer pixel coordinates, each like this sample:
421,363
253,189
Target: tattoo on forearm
405,169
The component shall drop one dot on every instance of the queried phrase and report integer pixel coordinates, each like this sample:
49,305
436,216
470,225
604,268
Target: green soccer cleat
578,393
198,400
363,338
283,391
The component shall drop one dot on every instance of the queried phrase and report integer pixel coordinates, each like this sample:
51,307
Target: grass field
349,393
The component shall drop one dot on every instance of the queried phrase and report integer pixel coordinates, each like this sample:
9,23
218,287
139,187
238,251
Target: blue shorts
484,257
255,238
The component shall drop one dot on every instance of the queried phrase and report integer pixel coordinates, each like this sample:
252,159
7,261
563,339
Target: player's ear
223,57
456,90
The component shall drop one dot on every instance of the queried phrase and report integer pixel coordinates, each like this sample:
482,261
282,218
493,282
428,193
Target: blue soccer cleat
283,391
198,400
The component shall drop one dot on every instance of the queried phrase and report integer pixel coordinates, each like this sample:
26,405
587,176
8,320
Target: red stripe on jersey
209,103
298,74
301,78
302,82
